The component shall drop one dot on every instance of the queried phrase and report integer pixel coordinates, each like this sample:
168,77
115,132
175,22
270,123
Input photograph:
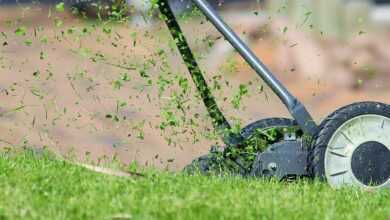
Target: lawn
38,186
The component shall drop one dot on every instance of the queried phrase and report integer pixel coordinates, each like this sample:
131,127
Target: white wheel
357,151
353,147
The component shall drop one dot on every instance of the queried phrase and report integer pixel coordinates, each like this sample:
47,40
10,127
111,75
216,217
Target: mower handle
296,108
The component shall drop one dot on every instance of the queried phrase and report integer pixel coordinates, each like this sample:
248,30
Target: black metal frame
296,109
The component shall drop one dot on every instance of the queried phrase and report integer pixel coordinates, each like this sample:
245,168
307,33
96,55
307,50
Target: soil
62,100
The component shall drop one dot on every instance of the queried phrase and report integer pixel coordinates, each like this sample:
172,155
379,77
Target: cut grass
40,187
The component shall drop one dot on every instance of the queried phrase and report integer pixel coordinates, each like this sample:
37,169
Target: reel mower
350,147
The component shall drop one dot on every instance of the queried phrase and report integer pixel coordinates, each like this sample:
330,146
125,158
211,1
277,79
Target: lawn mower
350,147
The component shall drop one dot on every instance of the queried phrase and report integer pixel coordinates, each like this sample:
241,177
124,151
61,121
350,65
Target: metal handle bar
297,110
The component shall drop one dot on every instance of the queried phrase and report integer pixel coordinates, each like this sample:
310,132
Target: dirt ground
53,94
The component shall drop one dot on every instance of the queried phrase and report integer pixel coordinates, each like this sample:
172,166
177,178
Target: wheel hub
370,163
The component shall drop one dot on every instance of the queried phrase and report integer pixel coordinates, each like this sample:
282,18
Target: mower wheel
216,162
200,165
353,147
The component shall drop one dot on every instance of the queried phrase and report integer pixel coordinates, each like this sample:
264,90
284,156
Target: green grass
38,187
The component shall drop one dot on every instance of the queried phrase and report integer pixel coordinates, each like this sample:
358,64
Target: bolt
272,166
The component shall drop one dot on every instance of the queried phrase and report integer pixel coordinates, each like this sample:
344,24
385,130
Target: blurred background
102,79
